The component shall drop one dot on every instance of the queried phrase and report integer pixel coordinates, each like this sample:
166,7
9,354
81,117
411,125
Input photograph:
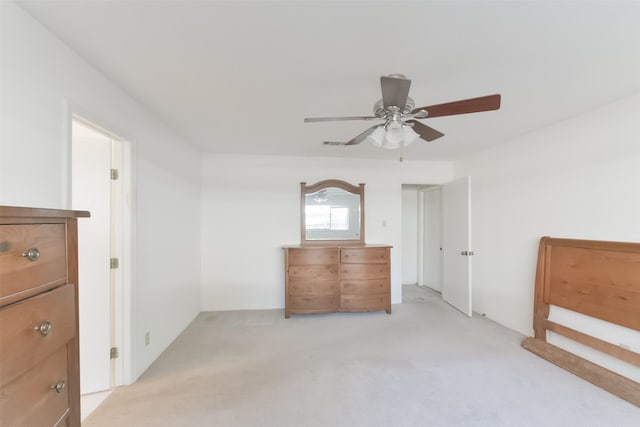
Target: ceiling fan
398,113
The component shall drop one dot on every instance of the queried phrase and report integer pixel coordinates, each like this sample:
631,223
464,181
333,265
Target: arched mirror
332,212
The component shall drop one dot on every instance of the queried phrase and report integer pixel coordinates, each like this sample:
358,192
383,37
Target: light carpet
424,365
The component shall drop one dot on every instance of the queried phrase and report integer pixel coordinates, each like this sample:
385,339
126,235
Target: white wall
409,235
579,179
251,207
42,82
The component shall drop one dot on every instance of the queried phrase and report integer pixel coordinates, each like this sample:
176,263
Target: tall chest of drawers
39,366
328,279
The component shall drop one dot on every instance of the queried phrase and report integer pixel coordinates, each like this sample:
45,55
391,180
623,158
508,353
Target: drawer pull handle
44,328
58,387
33,254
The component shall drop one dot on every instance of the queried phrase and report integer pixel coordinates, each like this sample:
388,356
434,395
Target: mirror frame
336,183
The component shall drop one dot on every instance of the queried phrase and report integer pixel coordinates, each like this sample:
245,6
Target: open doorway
100,183
443,229
422,235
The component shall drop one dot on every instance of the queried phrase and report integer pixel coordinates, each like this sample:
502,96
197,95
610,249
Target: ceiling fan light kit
397,109
392,138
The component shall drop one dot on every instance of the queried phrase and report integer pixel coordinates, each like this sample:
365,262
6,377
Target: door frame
122,367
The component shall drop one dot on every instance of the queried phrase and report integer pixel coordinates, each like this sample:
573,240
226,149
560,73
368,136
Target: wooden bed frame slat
596,343
595,278
614,383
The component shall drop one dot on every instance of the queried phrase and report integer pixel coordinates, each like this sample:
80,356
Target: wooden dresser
39,366
327,279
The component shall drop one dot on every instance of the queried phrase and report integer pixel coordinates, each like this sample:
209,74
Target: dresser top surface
336,246
23,212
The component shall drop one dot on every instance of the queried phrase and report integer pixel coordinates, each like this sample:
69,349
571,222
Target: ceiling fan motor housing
381,112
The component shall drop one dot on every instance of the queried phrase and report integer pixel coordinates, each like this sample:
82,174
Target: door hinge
114,173
114,353
114,263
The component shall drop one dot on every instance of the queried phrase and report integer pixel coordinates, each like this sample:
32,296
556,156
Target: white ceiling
239,77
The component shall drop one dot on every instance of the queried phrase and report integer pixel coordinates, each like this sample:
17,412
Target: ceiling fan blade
337,119
395,90
473,105
427,133
358,139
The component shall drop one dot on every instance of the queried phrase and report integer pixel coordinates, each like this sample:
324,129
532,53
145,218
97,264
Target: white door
91,190
456,202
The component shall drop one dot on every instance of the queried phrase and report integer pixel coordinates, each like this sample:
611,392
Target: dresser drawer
364,287
313,272
23,344
30,400
364,302
313,256
364,255
47,265
313,303
364,271
318,287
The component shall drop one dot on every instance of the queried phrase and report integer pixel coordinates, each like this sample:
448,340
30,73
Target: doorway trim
122,373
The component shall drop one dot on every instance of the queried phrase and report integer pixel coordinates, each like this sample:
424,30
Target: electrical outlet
147,338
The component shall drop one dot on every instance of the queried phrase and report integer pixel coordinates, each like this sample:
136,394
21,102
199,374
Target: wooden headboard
595,278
